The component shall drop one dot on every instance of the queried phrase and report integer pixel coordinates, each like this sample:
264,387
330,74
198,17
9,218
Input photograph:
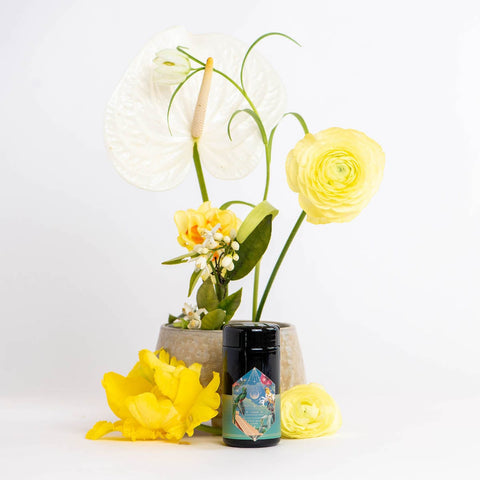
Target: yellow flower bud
335,173
309,411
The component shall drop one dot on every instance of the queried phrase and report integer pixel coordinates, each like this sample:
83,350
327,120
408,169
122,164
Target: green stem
209,429
234,202
198,168
294,231
268,157
255,290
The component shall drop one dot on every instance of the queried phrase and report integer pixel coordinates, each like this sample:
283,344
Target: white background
386,306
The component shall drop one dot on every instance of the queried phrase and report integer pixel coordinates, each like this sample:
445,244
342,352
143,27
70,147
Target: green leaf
193,281
206,296
230,304
213,320
180,323
254,218
255,116
181,259
252,249
171,318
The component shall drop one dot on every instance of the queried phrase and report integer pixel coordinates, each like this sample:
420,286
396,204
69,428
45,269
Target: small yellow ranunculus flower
309,411
159,398
335,173
192,223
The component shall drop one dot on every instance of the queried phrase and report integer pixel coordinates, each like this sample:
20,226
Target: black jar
251,384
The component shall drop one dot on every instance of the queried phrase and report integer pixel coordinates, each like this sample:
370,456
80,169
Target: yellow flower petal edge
160,398
335,172
309,411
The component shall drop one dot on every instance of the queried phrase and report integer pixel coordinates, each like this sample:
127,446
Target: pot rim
282,325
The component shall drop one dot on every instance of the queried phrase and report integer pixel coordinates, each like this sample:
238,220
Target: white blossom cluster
217,253
190,317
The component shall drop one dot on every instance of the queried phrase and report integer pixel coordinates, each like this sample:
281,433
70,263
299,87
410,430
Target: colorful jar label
253,409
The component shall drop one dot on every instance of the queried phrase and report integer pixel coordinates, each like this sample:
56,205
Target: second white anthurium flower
140,144
170,66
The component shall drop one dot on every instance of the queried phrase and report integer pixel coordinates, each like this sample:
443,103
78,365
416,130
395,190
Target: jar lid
251,335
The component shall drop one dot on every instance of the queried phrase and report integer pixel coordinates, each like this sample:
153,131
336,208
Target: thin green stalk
233,202
255,290
268,157
198,168
294,231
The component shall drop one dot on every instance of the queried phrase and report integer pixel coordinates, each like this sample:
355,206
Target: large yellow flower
335,172
192,223
309,411
159,398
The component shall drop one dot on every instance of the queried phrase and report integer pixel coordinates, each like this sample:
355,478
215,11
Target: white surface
386,306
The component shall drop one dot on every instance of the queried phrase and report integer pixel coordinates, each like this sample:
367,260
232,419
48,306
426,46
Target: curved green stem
234,202
294,231
198,169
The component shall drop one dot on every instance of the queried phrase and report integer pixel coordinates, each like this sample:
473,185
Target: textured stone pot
205,347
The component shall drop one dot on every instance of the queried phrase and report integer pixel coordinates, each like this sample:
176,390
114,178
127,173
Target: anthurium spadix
153,155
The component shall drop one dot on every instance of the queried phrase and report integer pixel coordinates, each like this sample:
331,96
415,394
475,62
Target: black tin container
251,384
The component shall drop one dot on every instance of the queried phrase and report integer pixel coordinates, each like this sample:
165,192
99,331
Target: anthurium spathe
150,155
161,398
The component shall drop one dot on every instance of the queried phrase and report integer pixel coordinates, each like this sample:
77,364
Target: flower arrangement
173,109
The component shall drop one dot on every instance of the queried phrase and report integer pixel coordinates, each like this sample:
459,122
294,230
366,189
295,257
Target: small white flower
171,67
194,324
218,236
235,256
235,246
227,239
230,267
233,233
227,261
200,263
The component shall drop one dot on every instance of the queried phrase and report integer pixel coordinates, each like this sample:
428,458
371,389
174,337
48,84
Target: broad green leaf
193,281
254,218
171,318
252,249
230,304
181,259
206,296
213,320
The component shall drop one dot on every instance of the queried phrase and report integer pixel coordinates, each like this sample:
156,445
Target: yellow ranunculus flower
159,398
335,172
309,411
191,223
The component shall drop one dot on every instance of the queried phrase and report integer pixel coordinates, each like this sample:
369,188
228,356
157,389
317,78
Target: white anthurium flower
143,150
171,67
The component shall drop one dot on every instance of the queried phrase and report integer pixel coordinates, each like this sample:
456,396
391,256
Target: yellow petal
118,388
131,429
205,406
151,412
99,430
167,380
